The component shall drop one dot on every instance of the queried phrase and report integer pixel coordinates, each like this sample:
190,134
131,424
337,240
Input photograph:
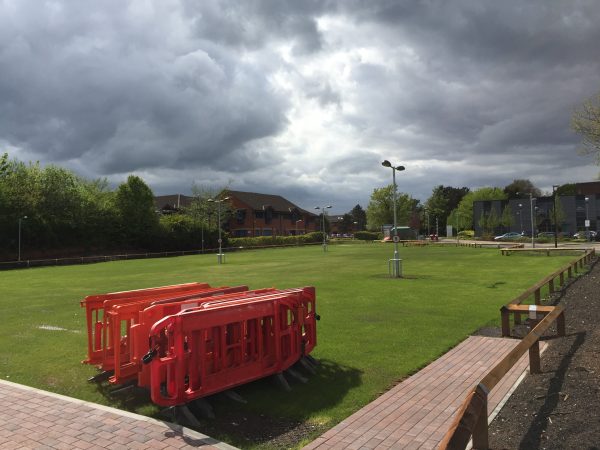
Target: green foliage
134,202
466,234
586,122
182,232
381,208
506,219
368,235
521,188
465,207
443,200
359,216
267,241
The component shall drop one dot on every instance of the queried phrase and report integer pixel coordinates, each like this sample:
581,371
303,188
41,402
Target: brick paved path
34,419
416,413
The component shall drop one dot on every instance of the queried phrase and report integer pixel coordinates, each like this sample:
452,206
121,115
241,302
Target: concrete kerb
183,432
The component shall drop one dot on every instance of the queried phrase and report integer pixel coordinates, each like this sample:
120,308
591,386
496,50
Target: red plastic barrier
220,345
123,319
95,315
158,310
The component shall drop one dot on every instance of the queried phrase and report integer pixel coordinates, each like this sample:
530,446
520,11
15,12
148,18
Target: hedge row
266,241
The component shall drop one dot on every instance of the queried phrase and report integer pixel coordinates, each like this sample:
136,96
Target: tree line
58,213
451,206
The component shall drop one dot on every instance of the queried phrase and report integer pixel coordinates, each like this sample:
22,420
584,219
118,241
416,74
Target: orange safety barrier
222,344
122,319
94,311
158,310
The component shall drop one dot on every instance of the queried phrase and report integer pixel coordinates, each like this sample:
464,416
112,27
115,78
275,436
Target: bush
267,241
466,234
368,236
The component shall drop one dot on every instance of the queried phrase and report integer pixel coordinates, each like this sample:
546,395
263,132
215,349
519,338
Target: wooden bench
546,250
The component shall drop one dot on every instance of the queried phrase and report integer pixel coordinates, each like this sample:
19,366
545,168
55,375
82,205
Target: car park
513,235
587,235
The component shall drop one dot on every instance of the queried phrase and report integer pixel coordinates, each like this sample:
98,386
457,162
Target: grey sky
300,98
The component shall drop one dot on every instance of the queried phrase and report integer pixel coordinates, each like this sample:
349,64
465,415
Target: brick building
257,214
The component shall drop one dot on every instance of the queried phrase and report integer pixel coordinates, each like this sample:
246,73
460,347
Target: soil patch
559,408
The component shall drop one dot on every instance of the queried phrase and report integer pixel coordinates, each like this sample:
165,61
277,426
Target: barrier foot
303,362
102,376
123,389
200,408
232,395
296,376
280,381
312,360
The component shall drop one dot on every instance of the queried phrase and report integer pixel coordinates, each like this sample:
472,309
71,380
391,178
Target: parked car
587,235
513,235
546,234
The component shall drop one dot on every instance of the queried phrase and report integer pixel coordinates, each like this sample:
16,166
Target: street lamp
323,208
531,200
20,220
220,255
587,220
554,193
395,269
521,216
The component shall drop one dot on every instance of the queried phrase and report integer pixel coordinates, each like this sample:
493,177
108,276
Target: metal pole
554,191
219,226
587,221
521,216
531,213
19,257
396,255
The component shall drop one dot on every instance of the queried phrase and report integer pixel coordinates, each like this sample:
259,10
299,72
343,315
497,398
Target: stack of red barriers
186,341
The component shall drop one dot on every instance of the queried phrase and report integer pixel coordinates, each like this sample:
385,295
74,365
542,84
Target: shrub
467,234
266,241
368,235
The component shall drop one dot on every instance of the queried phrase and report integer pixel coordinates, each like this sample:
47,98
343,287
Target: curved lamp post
323,208
220,255
20,221
394,265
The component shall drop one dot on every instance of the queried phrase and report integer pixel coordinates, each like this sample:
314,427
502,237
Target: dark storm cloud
209,90
77,87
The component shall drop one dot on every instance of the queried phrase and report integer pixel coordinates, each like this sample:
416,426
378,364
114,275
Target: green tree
360,217
586,122
465,206
560,214
134,202
521,189
443,200
506,219
381,208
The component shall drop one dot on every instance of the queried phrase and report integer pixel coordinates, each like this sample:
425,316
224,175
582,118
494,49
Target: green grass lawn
374,330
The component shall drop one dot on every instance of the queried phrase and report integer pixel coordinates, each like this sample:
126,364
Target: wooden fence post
551,286
562,278
538,297
534,358
505,321
480,431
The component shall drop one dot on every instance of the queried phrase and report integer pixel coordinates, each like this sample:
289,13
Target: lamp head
400,168
386,163
210,200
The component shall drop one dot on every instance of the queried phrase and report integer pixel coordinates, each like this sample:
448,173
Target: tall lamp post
554,194
323,208
395,266
587,221
20,221
521,216
220,255
531,200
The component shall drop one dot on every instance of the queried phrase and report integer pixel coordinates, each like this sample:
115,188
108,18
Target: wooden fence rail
471,421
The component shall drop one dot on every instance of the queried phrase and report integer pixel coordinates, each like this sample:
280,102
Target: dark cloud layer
300,97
